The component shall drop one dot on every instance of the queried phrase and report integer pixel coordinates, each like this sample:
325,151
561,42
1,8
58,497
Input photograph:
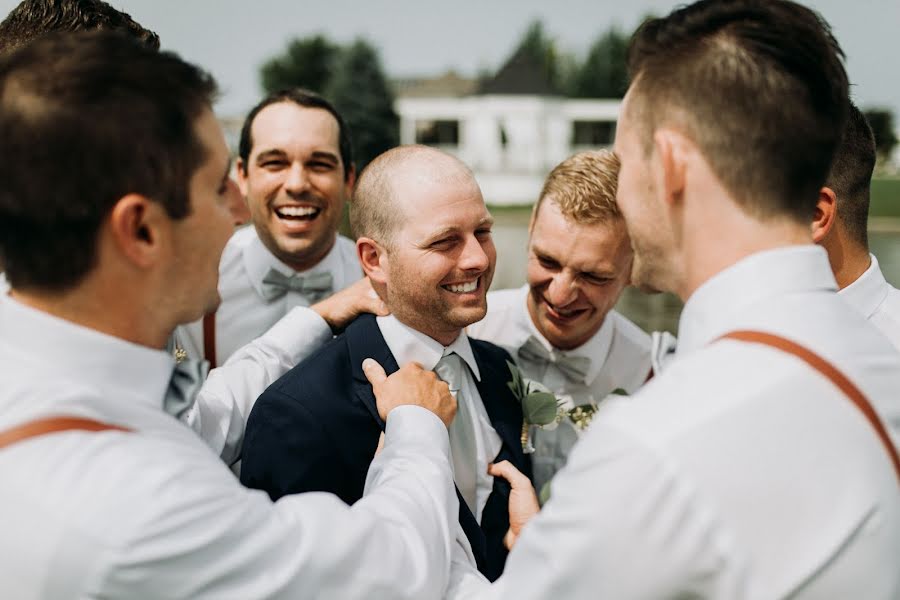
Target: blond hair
584,187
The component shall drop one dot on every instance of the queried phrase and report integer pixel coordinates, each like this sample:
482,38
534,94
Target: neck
106,313
729,238
848,260
444,337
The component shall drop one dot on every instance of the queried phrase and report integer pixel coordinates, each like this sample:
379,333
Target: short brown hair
85,119
33,18
851,176
584,187
758,85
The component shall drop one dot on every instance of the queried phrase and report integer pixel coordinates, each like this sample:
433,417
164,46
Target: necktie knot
312,287
449,369
574,368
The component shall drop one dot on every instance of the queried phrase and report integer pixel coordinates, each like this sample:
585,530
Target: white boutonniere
539,406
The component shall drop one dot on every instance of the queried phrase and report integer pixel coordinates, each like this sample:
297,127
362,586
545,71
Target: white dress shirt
618,355
152,513
244,313
408,345
739,472
877,301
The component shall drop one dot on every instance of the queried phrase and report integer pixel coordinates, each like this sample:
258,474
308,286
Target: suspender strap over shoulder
209,339
831,373
40,427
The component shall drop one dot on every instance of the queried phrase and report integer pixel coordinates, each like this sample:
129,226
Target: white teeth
463,288
297,211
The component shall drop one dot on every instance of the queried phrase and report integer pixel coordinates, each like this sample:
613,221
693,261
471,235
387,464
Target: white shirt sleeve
620,524
220,413
214,539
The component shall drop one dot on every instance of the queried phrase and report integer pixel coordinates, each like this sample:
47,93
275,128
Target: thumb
374,371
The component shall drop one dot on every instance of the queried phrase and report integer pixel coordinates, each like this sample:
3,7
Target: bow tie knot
574,368
187,379
313,287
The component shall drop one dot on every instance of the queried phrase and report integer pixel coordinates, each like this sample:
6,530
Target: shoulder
506,313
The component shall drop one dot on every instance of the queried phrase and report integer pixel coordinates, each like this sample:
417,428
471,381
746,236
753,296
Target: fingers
374,372
507,471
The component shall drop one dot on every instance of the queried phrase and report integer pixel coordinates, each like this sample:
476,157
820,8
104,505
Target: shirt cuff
297,331
416,425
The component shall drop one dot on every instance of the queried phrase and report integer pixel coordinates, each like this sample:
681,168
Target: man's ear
373,259
350,180
240,168
671,153
136,225
825,214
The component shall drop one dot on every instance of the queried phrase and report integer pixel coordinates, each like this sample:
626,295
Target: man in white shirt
840,226
742,470
295,169
424,240
561,327
104,494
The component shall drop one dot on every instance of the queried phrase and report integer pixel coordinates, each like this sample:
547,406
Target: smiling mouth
562,314
298,213
462,288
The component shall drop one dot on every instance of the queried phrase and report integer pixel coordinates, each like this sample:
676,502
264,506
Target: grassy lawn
885,198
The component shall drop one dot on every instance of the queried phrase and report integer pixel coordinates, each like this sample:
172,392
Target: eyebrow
278,153
600,271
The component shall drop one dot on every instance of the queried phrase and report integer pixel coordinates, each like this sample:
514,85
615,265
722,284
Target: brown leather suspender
49,425
209,339
831,373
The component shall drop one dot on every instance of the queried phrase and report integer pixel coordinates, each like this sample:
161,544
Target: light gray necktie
462,431
313,287
187,379
574,368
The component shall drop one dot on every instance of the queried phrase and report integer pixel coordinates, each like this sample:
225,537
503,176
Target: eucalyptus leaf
539,408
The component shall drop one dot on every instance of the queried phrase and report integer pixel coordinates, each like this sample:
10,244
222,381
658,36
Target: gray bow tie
313,287
573,367
185,384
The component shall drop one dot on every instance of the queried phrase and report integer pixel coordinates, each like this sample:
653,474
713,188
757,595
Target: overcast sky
232,38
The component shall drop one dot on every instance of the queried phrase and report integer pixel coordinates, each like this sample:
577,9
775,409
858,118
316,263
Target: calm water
651,312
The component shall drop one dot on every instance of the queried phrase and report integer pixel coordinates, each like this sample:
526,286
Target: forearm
220,412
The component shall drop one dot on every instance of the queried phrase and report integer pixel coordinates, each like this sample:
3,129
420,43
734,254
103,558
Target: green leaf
539,408
619,392
545,493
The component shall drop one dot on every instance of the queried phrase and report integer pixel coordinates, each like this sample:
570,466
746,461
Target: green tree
541,50
604,72
882,122
360,92
307,62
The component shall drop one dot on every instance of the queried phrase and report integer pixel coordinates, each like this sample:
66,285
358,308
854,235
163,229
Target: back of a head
758,85
584,187
32,19
86,119
374,210
851,175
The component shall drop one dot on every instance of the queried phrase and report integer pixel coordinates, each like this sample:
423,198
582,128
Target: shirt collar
714,307
594,350
79,353
408,345
258,260
868,291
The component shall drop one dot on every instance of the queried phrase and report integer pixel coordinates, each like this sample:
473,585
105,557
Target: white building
511,130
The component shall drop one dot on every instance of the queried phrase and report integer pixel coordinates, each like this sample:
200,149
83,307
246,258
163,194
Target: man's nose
297,179
562,290
473,256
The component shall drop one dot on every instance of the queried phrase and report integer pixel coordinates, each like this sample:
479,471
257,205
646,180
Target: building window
437,133
593,133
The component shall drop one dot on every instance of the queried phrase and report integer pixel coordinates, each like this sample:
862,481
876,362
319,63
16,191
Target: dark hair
86,119
851,175
759,85
305,98
33,18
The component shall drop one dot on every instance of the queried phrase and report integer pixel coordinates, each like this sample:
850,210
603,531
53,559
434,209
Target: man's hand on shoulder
341,308
410,385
